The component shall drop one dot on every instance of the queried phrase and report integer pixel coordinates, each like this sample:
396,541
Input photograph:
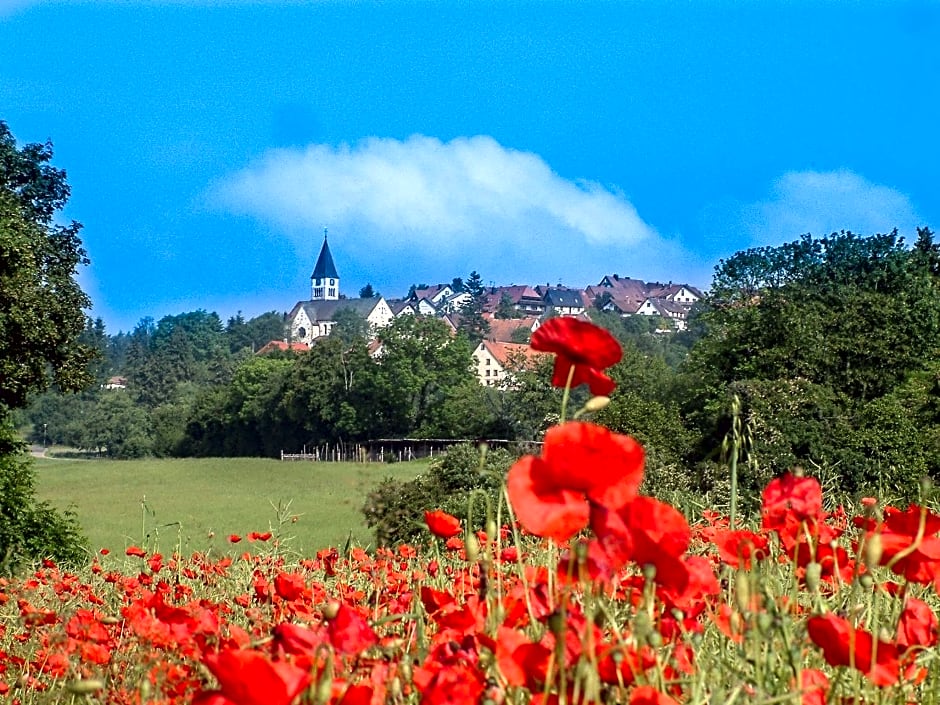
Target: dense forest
819,352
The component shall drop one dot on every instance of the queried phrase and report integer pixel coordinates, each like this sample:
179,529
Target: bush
30,530
395,510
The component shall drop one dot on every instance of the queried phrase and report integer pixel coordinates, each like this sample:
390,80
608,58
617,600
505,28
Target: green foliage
829,344
255,333
472,324
31,530
395,510
41,323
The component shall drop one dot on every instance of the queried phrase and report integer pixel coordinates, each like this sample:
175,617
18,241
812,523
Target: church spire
324,282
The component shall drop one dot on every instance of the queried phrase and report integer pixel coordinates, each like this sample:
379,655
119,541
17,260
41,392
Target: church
313,319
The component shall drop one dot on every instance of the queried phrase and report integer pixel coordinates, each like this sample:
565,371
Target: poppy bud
394,688
813,576
472,547
642,626
85,686
331,610
865,580
596,404
742,591
873,550
764,622
324,689
145,690
490,530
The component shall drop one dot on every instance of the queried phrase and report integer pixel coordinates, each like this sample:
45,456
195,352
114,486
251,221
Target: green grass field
194,504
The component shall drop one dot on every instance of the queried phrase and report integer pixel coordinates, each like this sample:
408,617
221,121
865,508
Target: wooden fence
386,450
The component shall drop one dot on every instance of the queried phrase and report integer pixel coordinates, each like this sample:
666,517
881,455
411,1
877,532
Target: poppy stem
565,396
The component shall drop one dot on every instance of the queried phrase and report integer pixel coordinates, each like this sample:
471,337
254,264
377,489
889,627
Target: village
512,312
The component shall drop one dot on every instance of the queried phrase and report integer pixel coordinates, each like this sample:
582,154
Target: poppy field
578,589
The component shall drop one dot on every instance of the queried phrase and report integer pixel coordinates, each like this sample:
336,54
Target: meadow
189,505
579,590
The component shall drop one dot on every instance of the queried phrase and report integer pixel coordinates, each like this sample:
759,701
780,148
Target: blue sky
208,144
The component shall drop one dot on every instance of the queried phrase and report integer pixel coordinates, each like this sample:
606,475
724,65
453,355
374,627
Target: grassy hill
196,503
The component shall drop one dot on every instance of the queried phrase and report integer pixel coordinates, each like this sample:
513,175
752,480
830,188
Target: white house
494,361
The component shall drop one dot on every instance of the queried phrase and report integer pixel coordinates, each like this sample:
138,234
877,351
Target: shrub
395,509
31,530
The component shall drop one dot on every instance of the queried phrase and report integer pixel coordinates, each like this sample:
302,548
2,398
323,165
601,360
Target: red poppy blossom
580,345
442,524
648,695
136,551
248,677
581,465
917,625
348,632
234,538
843,644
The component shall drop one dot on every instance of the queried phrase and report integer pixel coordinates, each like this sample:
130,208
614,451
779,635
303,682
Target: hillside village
512,312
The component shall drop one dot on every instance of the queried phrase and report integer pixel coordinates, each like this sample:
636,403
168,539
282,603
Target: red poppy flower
790,496
348,632
845,645
815,686
738,548
581,465
917,625
135,551
442,524
234,538
648,695
249,677
581,345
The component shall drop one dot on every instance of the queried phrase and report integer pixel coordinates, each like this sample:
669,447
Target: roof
273,345
326,310
503,352
564,298
325,269
501,329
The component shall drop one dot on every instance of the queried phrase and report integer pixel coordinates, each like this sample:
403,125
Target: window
332,291
487,362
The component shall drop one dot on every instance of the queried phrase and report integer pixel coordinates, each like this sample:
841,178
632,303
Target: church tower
324,282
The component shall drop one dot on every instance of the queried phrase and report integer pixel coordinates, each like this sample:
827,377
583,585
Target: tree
507,309
816,338
472,324
41,320
366,292
350,326
255,333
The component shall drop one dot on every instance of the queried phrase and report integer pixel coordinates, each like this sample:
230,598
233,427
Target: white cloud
470,202
824,202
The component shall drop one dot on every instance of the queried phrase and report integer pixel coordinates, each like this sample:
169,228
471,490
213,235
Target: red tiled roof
282,345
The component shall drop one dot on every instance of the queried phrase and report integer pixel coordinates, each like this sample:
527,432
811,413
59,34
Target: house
682,294
562,301
402,307
115,383
507,330
496,361
677,314
309,320
521,297
273,345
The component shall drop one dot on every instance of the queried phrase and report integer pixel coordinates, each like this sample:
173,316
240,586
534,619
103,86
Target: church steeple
324,282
